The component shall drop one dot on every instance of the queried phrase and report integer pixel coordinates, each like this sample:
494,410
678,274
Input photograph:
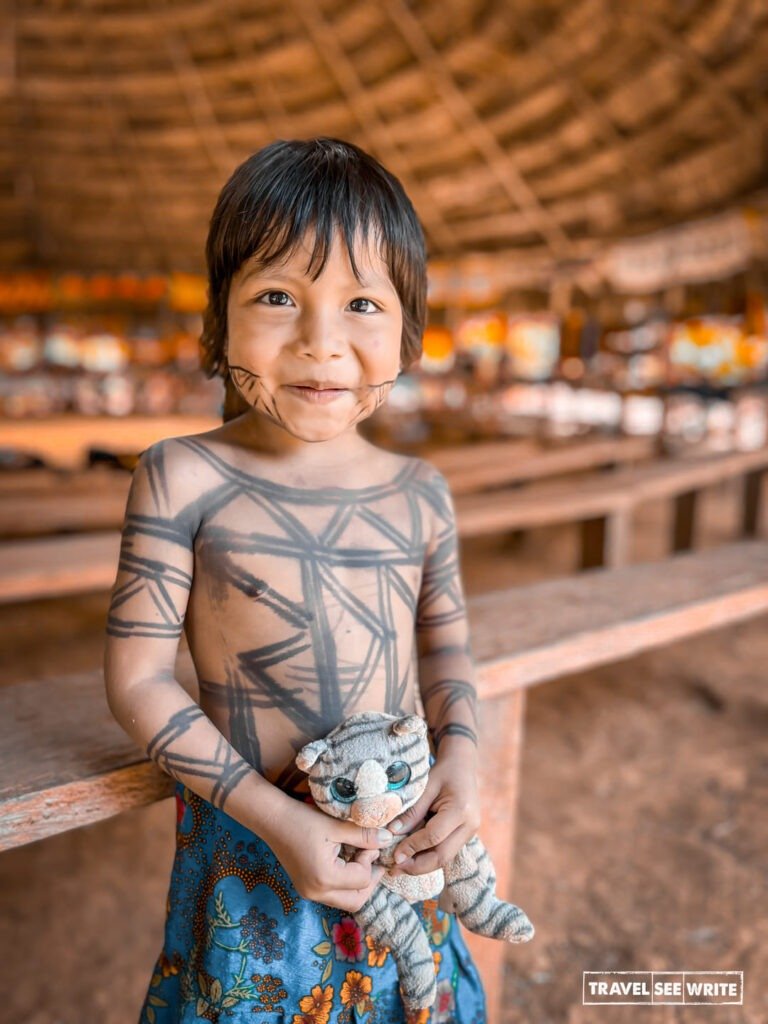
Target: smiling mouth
320,396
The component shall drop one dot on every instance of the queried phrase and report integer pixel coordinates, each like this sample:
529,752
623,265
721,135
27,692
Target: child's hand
452,795
307,843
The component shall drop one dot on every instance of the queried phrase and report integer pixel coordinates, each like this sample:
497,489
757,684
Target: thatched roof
537,130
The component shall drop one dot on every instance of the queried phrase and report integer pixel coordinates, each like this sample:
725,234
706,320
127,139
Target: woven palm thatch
535,130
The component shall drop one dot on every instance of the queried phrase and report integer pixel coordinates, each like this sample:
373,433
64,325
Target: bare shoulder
171,474
431,481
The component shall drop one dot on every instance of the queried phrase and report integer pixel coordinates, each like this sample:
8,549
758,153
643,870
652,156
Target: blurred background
591,177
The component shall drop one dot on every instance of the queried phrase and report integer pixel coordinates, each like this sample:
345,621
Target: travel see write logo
663,988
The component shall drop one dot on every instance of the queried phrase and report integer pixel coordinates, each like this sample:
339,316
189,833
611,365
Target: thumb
408,820
366,838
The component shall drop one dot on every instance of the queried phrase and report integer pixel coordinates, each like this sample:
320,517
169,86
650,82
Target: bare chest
310,593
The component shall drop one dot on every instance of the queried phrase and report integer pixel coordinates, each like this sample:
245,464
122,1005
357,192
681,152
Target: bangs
319,192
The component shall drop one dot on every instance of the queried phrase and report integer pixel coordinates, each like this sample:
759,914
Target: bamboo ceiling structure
536,130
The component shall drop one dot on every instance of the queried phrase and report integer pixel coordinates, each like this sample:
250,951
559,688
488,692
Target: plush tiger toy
368,770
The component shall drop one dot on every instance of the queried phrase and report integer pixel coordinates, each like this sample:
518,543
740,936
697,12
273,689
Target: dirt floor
643,826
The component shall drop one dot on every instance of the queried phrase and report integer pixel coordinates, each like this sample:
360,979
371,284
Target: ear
409,725
307,756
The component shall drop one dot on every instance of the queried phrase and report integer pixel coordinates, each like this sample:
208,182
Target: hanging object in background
102,352
61,345
21,346
533,343
482,334
187,293
25,292
716,349
702,250
438,355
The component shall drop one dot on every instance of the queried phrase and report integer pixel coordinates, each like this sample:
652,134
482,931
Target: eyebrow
280,271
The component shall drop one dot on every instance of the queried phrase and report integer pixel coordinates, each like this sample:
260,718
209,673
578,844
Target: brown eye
398,774
275,298
363,306
343,790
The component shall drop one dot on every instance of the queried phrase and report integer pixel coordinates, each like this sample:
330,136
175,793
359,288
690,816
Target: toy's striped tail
471,884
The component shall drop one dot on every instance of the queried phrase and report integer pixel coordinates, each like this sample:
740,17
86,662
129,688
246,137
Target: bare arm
146,617
449,694
446,669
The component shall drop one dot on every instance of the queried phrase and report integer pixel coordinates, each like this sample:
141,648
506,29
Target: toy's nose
375,811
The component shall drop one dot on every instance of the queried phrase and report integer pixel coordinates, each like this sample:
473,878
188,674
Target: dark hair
288,188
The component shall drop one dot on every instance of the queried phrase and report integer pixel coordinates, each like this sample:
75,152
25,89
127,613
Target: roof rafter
212,136
367,114
501,163
695,66
273,110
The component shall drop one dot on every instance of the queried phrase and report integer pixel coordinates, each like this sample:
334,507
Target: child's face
315,357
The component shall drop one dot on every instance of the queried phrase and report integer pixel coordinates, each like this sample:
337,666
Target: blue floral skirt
242,945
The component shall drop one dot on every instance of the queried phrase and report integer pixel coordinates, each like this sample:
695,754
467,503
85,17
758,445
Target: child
314,576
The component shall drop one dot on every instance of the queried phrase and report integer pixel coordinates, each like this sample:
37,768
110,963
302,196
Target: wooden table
63,441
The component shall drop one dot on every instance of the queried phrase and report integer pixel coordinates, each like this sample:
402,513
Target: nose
322,335
375,811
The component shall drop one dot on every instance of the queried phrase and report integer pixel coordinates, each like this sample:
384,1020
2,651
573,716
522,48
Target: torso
303,600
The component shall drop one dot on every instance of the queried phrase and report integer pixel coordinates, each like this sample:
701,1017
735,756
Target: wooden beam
211,134
643,19
468,120
366,112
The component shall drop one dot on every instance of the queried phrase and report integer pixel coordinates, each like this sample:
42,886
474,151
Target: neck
261,434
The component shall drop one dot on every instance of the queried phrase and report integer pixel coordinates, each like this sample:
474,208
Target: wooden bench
479,467
603,504
66,762
64,441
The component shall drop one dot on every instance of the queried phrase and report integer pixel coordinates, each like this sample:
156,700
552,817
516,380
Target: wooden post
684,522
593,534
605,541
501,736
750,513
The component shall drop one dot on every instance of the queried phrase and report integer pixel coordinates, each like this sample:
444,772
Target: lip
317,392
320,385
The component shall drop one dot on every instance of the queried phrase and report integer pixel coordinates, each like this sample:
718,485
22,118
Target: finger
437,857
352,900
365,838
354,875
408,820
366,857
434,832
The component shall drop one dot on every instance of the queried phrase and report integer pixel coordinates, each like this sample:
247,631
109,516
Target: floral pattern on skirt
242,945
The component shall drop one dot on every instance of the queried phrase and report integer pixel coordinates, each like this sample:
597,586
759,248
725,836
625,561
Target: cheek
380,358
249,345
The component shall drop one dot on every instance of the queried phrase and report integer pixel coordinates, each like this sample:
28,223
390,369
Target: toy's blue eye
398,774
343,790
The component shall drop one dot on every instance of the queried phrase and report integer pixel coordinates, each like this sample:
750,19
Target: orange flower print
356,988
437,957
377,954
168,967
418,1016
316,1007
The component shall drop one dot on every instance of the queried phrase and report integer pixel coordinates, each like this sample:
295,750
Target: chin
316,431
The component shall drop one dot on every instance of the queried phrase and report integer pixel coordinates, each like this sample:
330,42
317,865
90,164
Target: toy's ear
409,725
307,756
